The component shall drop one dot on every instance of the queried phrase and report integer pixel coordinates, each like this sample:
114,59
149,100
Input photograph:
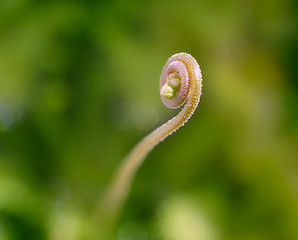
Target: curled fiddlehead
180,80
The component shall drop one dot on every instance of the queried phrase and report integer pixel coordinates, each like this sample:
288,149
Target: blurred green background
79,88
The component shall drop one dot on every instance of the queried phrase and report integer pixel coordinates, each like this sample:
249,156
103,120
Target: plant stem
117,192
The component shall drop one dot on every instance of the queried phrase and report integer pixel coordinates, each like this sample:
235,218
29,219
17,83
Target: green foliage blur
79,88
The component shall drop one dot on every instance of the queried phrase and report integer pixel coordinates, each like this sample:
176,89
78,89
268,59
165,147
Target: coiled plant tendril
181,80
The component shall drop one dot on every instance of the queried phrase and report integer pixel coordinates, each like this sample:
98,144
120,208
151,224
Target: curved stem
119,188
